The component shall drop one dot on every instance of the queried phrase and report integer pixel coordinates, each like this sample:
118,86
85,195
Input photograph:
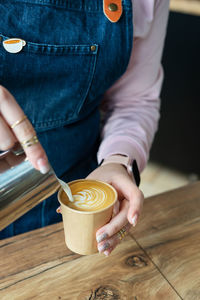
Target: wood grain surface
171,237
39,266
159,259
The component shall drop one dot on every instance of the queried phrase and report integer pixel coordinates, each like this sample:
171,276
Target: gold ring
19,121
30,142
122,233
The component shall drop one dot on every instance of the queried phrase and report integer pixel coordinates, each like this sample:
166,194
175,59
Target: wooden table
160,259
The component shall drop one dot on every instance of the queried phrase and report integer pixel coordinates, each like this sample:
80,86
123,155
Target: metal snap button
93,48
113,7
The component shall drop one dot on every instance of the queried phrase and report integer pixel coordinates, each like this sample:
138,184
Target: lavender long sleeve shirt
131,106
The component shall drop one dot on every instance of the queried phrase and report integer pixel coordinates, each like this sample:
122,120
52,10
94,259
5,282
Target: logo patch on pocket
13,45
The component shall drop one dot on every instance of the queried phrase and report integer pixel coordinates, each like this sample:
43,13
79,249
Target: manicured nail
103,247
134,220
58,210
107,253
101,237
43,165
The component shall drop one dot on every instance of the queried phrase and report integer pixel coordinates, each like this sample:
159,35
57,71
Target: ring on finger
30,142
18,121
122,233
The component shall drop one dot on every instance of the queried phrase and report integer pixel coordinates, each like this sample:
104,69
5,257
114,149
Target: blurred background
174,158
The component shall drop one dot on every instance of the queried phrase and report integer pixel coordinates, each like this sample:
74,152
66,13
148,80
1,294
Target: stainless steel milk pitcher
21,186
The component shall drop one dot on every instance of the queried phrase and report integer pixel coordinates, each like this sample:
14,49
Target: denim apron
73,54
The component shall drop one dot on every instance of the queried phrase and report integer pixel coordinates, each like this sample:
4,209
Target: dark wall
177,143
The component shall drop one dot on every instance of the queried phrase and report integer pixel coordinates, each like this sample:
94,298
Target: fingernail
101,237
58,210
134,220
43,165
103,247
107,253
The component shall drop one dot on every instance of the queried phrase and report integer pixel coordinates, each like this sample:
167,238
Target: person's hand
127,209
15,127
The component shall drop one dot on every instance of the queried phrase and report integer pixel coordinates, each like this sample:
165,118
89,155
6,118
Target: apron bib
72,54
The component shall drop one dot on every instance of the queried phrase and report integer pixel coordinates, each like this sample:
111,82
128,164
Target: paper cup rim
88,212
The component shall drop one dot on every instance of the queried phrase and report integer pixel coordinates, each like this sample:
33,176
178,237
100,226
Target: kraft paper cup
80,226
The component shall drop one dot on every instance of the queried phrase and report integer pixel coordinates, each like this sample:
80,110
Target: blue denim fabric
59,81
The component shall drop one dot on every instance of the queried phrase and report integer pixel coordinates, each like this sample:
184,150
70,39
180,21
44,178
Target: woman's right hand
10,113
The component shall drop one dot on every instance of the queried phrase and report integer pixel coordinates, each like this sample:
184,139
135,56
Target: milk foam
90,195
91,199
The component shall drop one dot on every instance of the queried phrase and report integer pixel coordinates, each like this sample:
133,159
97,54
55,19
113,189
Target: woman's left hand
126,210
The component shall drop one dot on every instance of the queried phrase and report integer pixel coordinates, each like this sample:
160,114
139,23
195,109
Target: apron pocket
50,82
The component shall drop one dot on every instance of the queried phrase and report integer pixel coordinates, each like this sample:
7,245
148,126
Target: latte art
90,195
89,199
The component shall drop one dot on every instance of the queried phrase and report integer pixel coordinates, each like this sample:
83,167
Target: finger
13,159
115,224
116,208
136,204
131,192
110,244
12,112
7,138
3,165
116,240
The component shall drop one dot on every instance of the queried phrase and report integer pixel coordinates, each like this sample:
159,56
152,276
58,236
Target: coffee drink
90,195
91,209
